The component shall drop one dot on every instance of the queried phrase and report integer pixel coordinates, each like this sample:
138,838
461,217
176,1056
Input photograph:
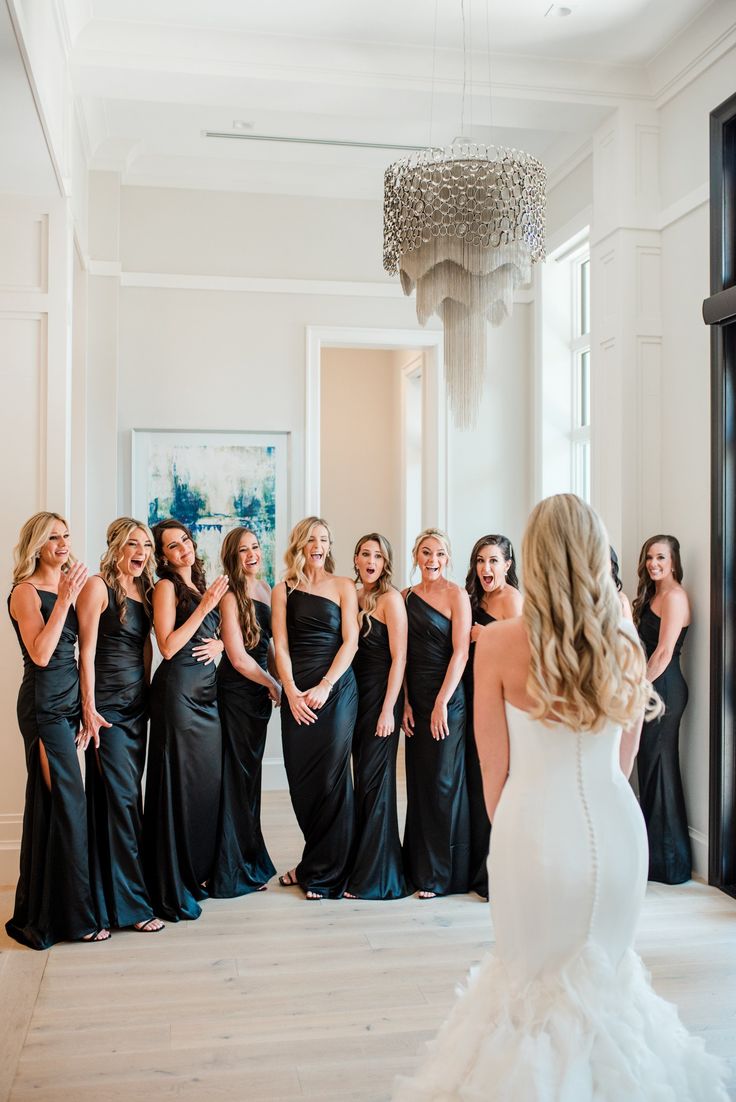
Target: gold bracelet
328,682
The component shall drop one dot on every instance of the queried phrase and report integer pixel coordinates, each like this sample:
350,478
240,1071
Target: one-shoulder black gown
114,772
480,824
317,755
377,872
242,863
183,778
53,900
658,767
437,835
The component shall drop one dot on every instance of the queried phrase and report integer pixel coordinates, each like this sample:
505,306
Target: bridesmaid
245,693
623,600
114,611
662,615
315,630
185,747
53,901
379,665
493,588
437,835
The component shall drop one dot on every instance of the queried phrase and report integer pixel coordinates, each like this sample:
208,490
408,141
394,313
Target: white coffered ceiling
153,76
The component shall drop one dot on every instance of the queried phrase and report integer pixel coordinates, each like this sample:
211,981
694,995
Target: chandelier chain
490,79
434,65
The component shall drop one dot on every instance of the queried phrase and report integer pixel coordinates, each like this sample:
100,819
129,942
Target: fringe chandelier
463,225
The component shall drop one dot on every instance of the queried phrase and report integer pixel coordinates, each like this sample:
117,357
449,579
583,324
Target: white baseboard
699,844
274,775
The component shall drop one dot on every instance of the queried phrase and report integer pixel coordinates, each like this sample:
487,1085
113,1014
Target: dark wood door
719,312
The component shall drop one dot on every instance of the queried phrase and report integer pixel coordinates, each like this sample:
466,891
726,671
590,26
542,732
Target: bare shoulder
501,638
405,592
391,603
24,598
95,585
347,589
458,595
278,593
164,590
676,602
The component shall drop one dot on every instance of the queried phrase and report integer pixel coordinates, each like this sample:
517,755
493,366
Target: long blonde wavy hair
435,534
295,558
239,586
584,669
118,533
33,535
384,583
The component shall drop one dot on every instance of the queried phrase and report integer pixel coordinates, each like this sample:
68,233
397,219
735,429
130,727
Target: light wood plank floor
272,998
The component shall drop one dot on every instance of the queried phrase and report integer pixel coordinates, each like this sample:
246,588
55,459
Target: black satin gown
114,772
53,900
480,824
378,871
242,863
437,835
183,777
658,766
317,755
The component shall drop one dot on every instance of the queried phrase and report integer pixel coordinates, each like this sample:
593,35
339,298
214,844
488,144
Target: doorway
376,437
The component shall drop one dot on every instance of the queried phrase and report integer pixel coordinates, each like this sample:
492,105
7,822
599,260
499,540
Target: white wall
35,453
360,462
490,466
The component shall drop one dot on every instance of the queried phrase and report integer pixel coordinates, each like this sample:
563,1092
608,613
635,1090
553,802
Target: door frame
434,408
719,311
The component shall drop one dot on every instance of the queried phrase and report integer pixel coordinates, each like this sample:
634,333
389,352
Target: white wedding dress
562,1010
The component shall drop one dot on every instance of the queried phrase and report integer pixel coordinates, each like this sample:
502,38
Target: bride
562,1011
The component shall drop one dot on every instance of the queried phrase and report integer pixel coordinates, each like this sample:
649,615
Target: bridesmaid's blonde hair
118,533
434,534
584,669
295,558
384,583
33,535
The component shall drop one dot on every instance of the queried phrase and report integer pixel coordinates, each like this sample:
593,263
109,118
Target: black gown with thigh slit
658,766
437,835
317,755
480,824
114,772
183,777
53,901
377,871
242,863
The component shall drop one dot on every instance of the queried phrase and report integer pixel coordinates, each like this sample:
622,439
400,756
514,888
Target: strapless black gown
317,755
242,863
53,900
377,872
183,778
480,824
658,766
114,772
437,835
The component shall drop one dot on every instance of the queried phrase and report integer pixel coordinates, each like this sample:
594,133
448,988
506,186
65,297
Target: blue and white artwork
214,482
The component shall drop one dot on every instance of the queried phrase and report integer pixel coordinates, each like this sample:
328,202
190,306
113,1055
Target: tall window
563,370
580,353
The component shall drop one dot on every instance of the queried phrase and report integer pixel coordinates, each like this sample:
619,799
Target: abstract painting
214,482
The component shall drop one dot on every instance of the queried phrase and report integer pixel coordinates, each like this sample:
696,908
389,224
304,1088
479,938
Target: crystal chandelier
463,225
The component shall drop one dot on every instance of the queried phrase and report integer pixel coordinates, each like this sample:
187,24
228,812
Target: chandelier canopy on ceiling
463,225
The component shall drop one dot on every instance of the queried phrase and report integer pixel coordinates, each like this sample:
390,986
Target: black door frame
719,312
